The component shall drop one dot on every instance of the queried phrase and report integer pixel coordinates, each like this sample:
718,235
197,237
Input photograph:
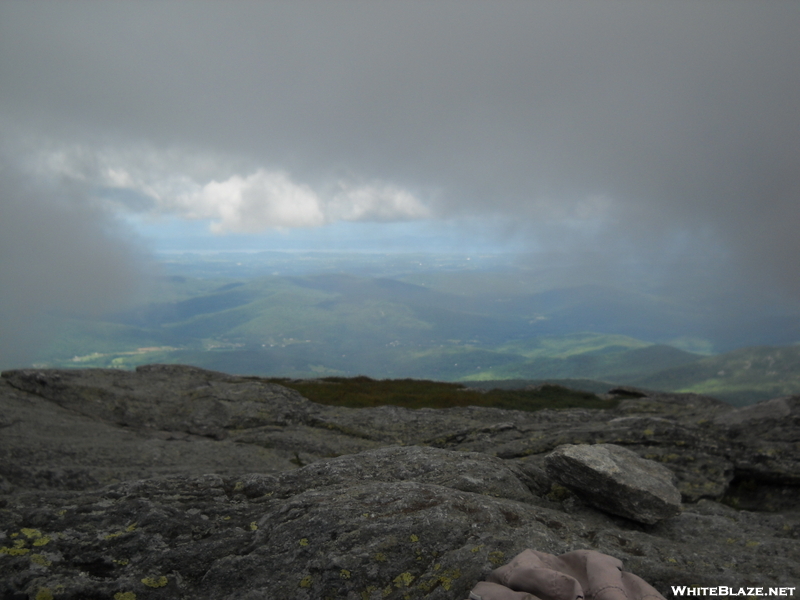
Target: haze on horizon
602,137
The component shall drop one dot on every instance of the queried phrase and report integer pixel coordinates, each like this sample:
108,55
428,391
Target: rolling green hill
337,324
739,377
612,362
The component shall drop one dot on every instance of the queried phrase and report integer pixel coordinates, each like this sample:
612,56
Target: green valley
449,321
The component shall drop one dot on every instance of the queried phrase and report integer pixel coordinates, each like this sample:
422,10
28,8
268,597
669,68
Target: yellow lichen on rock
13,551
129,529
404,579
30,533
155,582
447,578
124,596
40,560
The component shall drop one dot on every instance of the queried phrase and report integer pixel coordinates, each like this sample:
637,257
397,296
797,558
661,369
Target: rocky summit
173,482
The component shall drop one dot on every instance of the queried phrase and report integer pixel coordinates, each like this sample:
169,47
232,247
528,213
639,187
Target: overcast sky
598,132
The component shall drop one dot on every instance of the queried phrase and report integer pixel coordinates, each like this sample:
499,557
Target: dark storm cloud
645,129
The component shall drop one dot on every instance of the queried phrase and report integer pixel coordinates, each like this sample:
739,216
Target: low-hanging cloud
60,257
254,203
150,181
271,200
661,132
375,202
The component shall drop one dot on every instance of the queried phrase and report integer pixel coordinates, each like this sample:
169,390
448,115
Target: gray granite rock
175,482
166,419
288,536
764,442
616,480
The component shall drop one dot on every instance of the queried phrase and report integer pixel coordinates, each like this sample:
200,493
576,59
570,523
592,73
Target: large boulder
616,480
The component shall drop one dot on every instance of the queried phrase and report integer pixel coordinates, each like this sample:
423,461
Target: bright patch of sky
176,234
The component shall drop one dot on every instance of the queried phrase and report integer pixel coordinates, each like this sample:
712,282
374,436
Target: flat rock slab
616,480
466,471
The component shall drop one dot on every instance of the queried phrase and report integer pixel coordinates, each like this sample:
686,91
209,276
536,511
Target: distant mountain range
470,326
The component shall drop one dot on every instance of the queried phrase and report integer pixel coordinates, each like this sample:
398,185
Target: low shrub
362,392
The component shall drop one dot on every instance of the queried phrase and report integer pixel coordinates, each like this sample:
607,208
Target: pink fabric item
494,591
579,575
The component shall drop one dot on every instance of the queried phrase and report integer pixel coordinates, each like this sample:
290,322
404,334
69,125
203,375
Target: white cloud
376,202
178,184
271,199
119,178
251,204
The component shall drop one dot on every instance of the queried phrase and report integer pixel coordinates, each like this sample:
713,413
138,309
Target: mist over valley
477,319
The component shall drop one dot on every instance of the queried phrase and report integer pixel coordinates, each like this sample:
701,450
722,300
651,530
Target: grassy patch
362,392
